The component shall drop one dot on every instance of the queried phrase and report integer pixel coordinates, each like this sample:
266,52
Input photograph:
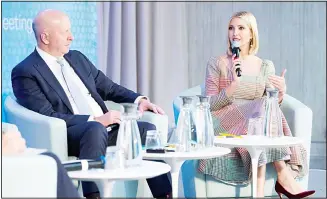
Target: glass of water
111,158
256,126
153,140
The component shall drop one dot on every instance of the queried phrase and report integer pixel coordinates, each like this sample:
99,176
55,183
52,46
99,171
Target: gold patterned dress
231,114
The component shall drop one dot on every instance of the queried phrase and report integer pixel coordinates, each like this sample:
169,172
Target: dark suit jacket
37,89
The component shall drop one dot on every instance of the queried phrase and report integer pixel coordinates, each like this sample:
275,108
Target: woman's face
239,31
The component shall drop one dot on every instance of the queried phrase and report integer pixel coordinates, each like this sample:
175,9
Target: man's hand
145,105
13,143
279,83
108,118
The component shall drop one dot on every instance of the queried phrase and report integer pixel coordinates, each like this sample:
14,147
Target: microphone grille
235,44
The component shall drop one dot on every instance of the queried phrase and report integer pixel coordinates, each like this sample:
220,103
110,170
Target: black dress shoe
167,196
95,195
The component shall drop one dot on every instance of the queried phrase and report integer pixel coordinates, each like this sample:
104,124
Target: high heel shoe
280,190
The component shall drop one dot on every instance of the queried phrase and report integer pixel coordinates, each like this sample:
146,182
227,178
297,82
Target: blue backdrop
18,40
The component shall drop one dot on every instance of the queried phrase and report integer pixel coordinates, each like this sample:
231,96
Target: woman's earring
251,43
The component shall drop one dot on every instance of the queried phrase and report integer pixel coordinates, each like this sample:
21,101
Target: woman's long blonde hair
252,24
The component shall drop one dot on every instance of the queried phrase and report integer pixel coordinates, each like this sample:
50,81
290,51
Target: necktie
79,98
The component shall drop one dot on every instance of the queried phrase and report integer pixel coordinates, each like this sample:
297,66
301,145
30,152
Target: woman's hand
279,83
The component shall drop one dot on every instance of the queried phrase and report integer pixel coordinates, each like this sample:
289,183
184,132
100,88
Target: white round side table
255,146
176,160
105,178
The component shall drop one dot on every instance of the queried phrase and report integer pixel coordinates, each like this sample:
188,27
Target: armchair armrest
113,106
299,118
160,121
29,176
38,130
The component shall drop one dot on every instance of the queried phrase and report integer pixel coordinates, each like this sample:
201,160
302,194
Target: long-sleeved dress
231,114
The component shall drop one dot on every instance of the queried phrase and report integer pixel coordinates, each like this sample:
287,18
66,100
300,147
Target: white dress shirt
51,61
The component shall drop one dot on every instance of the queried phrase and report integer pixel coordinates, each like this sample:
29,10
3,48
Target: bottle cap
203,98
272,92
129,107
186,99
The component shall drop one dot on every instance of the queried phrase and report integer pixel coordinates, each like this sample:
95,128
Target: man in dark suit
63,83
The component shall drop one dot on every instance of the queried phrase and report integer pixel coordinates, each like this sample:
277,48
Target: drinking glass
153,140
256,126
111,157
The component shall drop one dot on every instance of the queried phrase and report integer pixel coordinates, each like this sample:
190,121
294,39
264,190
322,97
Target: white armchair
28,175
299,118
50,133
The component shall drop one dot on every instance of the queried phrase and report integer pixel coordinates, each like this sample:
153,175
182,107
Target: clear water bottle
186,128
129,139
204,125
273,116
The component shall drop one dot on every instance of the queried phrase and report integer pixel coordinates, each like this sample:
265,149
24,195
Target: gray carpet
317,181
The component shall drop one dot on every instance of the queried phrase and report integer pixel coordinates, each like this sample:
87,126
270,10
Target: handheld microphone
236,51
111,127
85,164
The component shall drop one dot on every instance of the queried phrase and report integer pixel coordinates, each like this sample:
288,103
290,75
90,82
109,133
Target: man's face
60,37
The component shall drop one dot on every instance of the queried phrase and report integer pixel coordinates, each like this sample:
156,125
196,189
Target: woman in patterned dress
236,99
